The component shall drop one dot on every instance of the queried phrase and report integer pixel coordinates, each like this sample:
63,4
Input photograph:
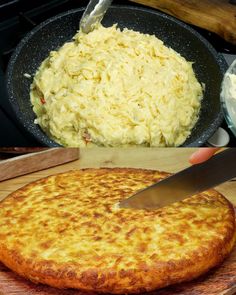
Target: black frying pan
209,66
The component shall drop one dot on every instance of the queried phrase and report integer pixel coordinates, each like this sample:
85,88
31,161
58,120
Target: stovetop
17,17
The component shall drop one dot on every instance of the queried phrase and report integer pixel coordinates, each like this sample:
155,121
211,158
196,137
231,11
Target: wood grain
31,162
220,281
218,16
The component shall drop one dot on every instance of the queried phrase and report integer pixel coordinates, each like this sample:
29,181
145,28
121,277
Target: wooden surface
220,281
218,16
31,162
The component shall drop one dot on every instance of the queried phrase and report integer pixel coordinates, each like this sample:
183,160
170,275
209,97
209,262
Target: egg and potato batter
116,88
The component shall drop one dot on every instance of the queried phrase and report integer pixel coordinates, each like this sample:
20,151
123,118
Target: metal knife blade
93,14
188,182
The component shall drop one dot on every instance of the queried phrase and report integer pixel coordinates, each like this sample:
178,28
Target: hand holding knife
188,182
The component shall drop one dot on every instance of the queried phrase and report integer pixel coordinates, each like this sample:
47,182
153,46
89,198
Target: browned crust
108,281
145,278
99,171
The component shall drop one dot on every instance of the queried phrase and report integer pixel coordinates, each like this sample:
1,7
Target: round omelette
67,231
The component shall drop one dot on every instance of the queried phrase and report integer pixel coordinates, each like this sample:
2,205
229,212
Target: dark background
17,18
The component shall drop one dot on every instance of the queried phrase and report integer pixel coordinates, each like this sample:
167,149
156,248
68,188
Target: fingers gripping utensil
188,182
93,14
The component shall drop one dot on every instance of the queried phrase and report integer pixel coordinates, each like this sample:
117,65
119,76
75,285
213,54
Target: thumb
202,155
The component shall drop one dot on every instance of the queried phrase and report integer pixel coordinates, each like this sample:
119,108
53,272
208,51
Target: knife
93,14
188,182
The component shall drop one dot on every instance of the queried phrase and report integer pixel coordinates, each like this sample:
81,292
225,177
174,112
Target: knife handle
220,168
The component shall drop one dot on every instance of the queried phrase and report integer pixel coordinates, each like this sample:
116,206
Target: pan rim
44,138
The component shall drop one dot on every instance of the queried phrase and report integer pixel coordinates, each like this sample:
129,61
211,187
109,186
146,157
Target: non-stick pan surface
208,65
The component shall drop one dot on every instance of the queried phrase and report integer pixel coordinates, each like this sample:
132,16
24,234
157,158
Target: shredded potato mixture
116,88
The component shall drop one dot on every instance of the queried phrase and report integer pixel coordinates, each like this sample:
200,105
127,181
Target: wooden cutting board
218,16
220,281
35,161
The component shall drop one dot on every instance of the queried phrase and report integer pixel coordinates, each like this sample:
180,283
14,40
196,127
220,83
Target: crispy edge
145,279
